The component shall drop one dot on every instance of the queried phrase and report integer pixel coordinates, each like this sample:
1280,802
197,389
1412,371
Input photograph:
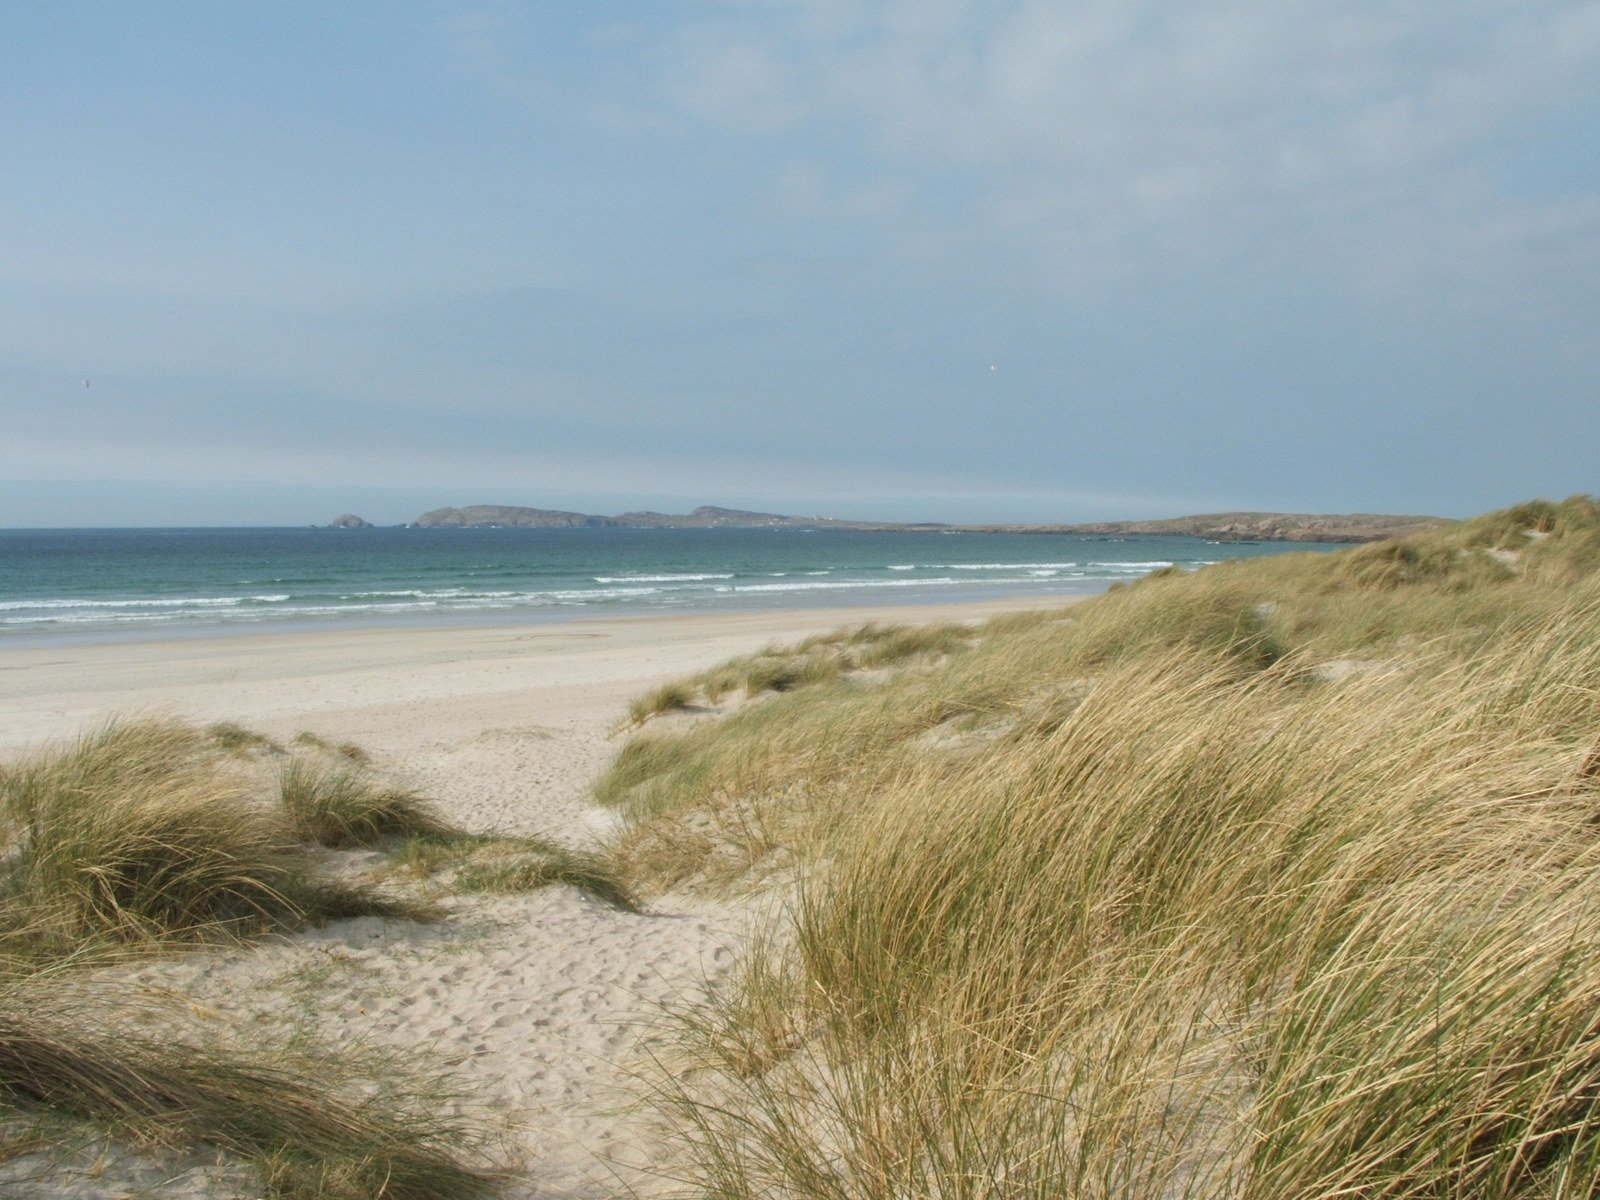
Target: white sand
539,1004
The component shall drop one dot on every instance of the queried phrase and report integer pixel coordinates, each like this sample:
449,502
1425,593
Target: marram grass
142,831
506,864
342,804
149,834
1144,898
315,1125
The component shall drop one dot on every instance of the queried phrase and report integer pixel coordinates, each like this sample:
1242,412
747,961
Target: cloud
806,189
744,84
1128,140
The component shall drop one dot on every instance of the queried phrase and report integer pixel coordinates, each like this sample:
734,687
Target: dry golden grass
148,835
144,832
1198,922
500,863
821,659
317,1126
669,697
342,805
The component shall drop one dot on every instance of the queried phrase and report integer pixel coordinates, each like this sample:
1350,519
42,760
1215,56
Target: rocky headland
1222,527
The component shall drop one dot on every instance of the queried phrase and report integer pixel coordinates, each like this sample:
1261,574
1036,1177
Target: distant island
1222,527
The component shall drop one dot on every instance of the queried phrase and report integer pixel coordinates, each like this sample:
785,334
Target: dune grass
140,833
821,659
1196,918
669,697
506,868
1386,601
343,805
232,736
505,864
346,750
315,1126
147,835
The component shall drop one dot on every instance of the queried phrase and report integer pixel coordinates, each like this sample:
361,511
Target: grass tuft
144,832
134,833
669,697
341,806
316,1128
500,864
529,868
234,737
346,750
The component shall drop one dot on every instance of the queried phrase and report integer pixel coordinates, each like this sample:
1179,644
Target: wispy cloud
1129,139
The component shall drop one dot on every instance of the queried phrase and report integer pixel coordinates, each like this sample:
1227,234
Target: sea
90,585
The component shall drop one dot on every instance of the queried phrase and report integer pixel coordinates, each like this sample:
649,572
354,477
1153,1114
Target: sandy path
536,1003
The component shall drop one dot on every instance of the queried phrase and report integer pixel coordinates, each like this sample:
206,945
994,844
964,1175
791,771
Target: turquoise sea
123,584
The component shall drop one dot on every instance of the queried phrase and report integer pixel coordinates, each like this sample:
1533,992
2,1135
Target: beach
399,690
1173,892
539,1006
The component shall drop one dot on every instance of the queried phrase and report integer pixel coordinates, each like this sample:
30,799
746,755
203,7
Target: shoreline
506,618
206,585
356,683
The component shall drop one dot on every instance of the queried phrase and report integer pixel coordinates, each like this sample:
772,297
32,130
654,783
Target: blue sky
946,259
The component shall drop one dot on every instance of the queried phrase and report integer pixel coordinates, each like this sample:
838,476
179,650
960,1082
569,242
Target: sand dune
540,1005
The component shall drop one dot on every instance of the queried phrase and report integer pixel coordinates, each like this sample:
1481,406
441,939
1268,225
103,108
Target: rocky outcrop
709,515
508,516
349,521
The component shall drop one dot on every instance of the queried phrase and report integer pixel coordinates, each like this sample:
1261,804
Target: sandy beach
537,1004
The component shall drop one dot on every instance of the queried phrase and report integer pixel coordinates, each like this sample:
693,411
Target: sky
988,260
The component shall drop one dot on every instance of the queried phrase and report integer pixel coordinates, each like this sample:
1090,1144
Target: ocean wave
412,593
1038,566
656,588
583,595
78,612
682,578
1014,566
480,600
664,590
876,584
149,602
833,585
1047,566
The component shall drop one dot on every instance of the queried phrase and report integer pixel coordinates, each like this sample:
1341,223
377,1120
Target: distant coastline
1220,527
70,584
